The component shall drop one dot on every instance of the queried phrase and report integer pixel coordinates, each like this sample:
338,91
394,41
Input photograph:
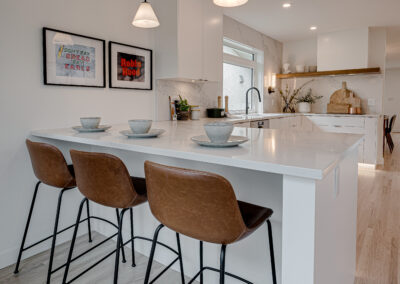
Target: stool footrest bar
217,270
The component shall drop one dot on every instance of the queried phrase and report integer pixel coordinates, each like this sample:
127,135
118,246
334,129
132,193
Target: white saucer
233,141
100,128
151,134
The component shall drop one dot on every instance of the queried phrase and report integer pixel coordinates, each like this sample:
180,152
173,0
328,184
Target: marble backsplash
367,87
204,94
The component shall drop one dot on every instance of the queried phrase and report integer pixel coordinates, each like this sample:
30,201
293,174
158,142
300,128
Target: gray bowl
218,132
90,122
140,126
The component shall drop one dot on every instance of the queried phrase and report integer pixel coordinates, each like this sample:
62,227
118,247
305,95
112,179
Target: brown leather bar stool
202,206
104,179
50,168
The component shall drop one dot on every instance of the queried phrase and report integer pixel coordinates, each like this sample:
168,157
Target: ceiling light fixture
230,3
145,16
286,5
313,28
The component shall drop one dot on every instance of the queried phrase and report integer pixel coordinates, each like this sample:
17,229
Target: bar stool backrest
197,204
103,178
392,121
49,165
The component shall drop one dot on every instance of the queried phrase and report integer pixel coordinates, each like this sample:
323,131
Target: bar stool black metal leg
78,218
222,265
151,257
88,220
178,241
201,262
122,247
27,227
271,251
132,239
53,242
120,243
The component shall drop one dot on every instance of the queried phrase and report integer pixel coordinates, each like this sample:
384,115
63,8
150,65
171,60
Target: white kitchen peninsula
308,179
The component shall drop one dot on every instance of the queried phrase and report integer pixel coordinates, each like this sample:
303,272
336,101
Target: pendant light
230,3
145,16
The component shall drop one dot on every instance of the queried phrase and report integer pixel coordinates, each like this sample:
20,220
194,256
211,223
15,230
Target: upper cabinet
189,40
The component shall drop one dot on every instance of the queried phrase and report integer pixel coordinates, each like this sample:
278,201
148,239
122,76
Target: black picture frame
111,62
48,81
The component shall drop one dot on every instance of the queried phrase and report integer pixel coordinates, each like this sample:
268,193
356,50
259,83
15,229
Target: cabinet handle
337,126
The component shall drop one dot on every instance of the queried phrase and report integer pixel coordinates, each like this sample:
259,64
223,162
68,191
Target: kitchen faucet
247,98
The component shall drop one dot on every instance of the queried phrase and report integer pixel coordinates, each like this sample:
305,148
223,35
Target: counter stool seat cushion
253,216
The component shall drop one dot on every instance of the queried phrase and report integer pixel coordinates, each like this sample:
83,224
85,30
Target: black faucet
247,98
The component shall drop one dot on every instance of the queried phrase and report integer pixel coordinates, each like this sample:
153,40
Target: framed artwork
73,60
130,67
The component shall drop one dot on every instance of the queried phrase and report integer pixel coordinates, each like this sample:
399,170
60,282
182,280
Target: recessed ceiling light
313,28
286,5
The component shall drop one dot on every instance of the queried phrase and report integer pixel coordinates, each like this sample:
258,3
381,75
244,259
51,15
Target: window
241,71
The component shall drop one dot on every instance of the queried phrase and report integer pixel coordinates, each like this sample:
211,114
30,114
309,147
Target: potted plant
183,109
304,103
288,97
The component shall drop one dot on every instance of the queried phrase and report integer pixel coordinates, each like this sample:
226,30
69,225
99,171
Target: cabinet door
190,39
306,124
212,52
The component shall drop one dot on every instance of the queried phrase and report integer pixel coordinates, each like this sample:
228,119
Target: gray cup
140,126
219,132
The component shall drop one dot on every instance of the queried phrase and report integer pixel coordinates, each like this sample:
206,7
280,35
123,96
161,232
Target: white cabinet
189,40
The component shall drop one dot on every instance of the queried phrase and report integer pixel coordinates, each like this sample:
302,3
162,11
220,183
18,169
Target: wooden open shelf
330,73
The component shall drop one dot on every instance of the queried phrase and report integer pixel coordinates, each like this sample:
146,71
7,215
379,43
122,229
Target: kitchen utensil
100,128
215,112
233,141
312,69
226,104
342,99
218,132
300,68
90,122
195,114
140,126
219,102
151,134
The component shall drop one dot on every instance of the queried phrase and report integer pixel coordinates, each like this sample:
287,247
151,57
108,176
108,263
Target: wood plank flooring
378,239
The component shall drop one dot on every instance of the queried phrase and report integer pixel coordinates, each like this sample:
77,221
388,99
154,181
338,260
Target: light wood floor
34,269
378,239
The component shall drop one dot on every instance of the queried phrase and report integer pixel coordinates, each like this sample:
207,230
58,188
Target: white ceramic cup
140,126
218,132
90,122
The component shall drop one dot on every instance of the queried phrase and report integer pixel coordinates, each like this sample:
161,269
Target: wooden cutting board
342,99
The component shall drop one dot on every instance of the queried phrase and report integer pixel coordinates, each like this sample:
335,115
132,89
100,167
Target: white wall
391,101
26,104
272,54
301,52
343,50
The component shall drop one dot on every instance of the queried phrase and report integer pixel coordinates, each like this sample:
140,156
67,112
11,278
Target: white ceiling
268,16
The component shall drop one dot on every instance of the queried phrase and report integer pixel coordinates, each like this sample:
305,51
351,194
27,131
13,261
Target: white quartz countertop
288,152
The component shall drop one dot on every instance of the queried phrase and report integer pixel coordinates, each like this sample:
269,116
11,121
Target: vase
183,115
288,108
304,107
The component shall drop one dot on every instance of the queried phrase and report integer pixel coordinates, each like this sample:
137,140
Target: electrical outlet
371,102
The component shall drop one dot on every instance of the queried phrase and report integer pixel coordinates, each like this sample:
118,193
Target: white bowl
140,126
90,122
218,132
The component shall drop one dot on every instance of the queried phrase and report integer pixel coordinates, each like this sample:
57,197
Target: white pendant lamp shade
230,3
145,17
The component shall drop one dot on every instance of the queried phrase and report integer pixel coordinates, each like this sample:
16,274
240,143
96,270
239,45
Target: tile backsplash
204,94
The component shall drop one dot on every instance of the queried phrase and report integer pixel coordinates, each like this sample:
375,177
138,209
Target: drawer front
357,122
340,129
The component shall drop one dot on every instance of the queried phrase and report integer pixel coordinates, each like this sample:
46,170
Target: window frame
242,62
